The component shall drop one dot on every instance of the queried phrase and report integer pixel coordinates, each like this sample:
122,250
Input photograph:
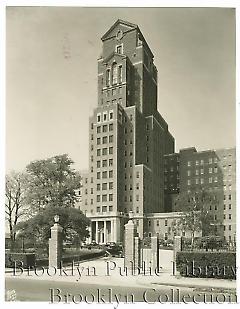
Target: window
157,222
110,185
210,170
91,201
98,164
202,171
210,160
166,222
98,117
98,152
215,160
197,181
98,187
229,197
215,179
105,128
104,116
215,169
104,186
114,74
110,174
110,138
137,186
120,74
189,182
210,179
197,162
98,209
189,173
137,174
110,162
137,210
108,77
202,181
98,175
104,197
110,150
230,217
110,197
98,198
98,141
110,127
110,116
230,206
197,172
104,151
104,139
229,227
202,162
189,163
104,174
91,158
91,190
104,209
98,129
119,49
110,208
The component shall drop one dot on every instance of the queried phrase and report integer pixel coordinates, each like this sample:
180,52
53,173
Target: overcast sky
52,76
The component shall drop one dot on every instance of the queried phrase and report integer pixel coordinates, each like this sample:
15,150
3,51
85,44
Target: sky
51,76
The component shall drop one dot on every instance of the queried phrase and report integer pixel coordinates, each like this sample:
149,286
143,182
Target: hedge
207,264
29,259
20,259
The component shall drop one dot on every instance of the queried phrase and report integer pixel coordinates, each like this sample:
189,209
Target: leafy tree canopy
52,182
37,228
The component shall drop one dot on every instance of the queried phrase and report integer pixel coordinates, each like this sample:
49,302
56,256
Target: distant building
211,170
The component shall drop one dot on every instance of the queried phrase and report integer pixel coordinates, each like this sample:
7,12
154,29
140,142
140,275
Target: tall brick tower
128,138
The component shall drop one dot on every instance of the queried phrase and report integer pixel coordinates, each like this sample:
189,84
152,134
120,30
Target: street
69,292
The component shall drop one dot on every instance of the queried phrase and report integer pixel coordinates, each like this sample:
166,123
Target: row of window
114,92
105,128
105,139
229,216
114,101
105,208
201,180
105,198
201,162
114,75
105,151
105,186
105,163
105,116
105,174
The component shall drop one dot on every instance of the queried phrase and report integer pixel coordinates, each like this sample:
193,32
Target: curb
194,286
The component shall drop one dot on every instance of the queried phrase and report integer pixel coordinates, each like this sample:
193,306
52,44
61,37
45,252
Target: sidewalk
110,271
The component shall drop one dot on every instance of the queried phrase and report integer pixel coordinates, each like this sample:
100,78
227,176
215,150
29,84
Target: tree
52,183
196,216
15,197
37,228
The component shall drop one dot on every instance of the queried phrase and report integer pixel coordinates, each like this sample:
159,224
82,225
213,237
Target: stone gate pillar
177,246
132,246
155,253
55,244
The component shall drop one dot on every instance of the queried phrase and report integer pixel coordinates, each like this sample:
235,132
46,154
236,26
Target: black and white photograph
120,155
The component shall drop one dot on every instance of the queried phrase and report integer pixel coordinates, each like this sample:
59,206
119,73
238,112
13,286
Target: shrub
207,264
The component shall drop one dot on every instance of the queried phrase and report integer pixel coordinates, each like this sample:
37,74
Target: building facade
128,137
213,171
